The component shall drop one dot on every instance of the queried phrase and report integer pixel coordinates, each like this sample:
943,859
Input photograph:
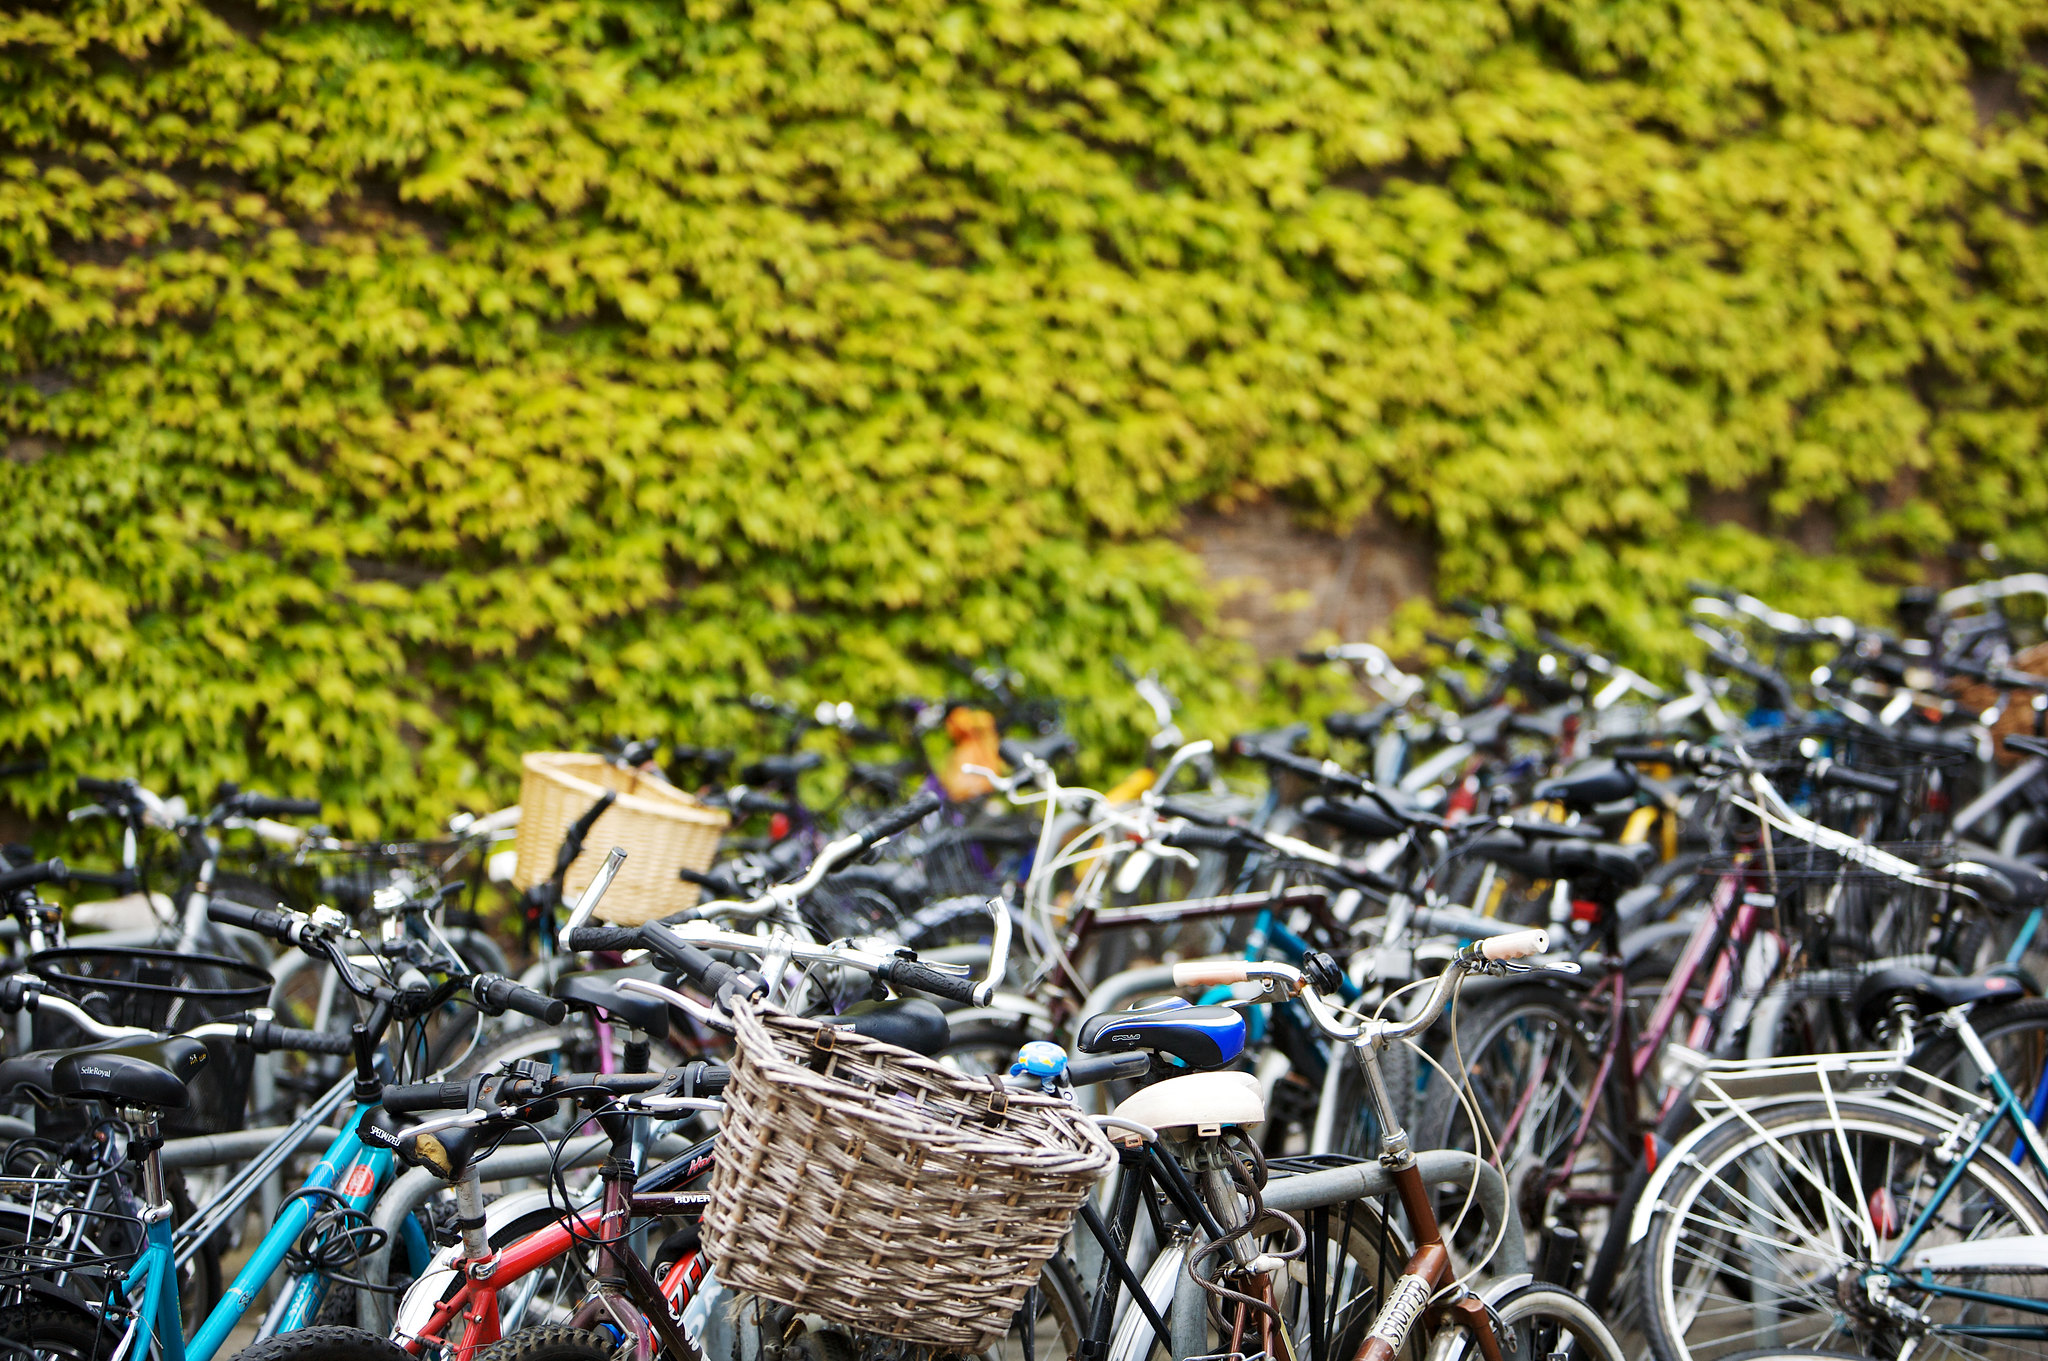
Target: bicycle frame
474,1303
349,1173
2006,1108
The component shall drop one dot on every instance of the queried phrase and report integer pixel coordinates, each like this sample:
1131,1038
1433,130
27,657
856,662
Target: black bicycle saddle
1590,786
34,1073
109,1075
601,991
908,1023
1925,991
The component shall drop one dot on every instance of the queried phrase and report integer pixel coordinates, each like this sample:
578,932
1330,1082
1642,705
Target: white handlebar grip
1209,973
1516,944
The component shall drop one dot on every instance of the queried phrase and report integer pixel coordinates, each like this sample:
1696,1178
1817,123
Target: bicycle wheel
1544,1321
56,1332
1532,1061
2016,1033
1769,1233
1328,1296
324,1344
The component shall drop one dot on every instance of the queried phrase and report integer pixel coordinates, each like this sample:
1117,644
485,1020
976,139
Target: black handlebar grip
270,806
264,921
1085,1070
602,938
756,801
101,789
494,995
1015,754
1194,836
265,1036
412,1097
889,824
687,960
1645,755
1827,772
909,973
41,872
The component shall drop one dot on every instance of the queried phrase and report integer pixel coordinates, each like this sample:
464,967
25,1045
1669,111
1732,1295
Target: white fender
438,1279
1133,1340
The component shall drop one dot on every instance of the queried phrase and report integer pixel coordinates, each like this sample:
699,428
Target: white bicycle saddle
1198,1099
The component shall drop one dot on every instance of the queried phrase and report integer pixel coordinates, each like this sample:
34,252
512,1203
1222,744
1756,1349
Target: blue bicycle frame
349,1174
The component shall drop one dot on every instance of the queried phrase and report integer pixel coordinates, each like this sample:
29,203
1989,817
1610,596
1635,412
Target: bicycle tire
1363,1255
1558,1068
1740,1164
1540,1319
2016,1033
324,1343
54,1332
550,1342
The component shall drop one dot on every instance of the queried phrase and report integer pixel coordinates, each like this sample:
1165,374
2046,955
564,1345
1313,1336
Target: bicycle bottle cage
1200,1037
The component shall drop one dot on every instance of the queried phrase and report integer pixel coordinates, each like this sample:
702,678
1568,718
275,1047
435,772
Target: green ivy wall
388,387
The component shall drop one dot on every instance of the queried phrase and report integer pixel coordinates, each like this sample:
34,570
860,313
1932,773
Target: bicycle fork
1429,1269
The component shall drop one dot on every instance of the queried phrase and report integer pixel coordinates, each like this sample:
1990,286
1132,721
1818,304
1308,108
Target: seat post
147,1139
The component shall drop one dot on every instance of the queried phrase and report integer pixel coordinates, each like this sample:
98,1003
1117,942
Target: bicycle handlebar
889,824
271,806
276,923
494,995
615,938
27,876
412,1097
267,1036
1828,772
1515,945
909,973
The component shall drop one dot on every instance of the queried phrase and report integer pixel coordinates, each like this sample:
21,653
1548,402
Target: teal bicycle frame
1894,1268
349,1174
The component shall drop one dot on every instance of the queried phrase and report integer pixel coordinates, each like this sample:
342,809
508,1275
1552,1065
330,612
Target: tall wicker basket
661,828
885,1191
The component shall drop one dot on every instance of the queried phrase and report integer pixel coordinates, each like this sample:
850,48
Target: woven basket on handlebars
885,1191
661,828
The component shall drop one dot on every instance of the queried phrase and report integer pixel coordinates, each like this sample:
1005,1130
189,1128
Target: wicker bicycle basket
885,1191
662,829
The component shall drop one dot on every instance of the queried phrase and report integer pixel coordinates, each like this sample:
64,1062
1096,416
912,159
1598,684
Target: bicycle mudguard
417,1305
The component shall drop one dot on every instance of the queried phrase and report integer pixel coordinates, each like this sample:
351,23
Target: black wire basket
158,990
1924,771
1857,904
351,875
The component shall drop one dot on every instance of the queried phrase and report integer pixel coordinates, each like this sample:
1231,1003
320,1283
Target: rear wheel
55,1332
1777,1228
550,1342
1532,1066
1543,1323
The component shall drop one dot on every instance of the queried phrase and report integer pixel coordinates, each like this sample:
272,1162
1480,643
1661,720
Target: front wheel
1541,1321
324,1344
550,1342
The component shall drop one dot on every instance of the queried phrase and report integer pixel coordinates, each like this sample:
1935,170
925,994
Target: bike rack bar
211,1150
1369,1181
